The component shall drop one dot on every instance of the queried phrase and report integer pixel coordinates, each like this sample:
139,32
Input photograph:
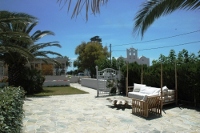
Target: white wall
89,82
74,79
54,77
56,81
92,83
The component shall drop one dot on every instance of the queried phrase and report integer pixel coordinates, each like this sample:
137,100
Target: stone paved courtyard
84,113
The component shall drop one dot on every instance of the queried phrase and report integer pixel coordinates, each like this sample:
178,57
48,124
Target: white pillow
149,90
165,88
144,90
137,87
157,91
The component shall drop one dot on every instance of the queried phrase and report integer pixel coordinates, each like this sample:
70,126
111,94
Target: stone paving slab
84,113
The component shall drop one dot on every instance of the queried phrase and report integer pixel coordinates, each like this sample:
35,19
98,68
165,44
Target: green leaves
6,16
89,54
188,74
153,9
17,47
94,5
11,109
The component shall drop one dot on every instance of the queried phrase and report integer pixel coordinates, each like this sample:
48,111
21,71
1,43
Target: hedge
11,109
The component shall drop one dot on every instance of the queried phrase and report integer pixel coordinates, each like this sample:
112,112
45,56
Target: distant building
95,39
132,56
46,69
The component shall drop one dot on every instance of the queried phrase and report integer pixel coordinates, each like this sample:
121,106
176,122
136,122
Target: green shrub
32,81
11,109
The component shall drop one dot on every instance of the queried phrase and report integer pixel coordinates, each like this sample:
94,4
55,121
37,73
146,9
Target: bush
32,81
188,74
11,109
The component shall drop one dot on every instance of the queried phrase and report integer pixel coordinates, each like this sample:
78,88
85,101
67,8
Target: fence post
97,76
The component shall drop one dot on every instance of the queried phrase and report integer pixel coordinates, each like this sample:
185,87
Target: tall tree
89,54
17,61
153,9
7,33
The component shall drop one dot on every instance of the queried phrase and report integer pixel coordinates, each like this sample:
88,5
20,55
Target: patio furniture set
147,99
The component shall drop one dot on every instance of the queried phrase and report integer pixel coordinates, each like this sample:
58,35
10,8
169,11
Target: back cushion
149,90
137,87
144,89
165,88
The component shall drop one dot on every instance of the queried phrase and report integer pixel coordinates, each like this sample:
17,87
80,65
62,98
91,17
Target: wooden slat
142,108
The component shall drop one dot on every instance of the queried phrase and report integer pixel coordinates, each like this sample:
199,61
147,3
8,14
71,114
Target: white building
132,56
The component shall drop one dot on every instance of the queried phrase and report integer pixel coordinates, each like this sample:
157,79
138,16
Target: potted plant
111,84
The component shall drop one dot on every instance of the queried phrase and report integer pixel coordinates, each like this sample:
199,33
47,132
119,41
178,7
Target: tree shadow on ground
183,106
41,95
180,106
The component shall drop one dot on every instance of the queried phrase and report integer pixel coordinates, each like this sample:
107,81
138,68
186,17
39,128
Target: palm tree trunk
15,73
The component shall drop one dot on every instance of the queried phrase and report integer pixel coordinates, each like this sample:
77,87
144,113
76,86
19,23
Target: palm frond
49,60
11,36
45,53
14,48
153,9
93,5
6,16
29,28
39,34
39,46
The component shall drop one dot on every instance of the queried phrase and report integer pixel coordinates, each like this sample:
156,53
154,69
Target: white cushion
171,92
164,88
139,96
136,95
149,90
144,98
137,87
157,91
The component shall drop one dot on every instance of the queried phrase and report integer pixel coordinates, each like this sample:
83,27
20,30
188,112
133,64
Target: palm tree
15,60
153,9
94,5
6,32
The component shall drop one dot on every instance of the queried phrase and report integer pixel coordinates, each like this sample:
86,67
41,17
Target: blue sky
114,25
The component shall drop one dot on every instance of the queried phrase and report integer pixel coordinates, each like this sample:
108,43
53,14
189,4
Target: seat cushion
164,88
139,96
136,95
137,87
149,90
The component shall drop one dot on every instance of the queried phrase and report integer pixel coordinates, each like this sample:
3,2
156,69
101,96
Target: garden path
84,113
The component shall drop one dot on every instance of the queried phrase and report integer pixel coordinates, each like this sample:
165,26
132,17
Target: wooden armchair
151,104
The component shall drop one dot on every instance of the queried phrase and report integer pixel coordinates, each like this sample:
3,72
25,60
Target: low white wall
77,79
60,77
89,82
74,79
92,83
56,81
